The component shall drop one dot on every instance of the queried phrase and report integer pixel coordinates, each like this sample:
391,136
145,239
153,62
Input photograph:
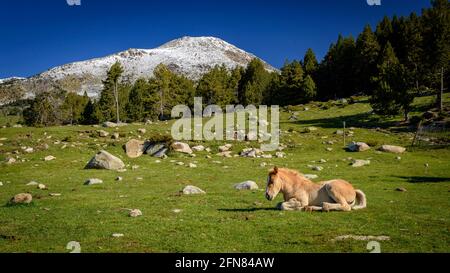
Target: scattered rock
134,167
181,147
358,147
1,184
392,149
247,185
263,164
21,198
359,163
10,160
192,165
311,176
105,160
280,155
49,158
119,178
398,158
188,190
142,131
158,150
316,168
225,148
198,148
180,163
401,189
29,150
33,183
42,187
225,154
102,133
135,213
135,148
322,161
117,235
55,194
93,181
176,210
109,124
115,136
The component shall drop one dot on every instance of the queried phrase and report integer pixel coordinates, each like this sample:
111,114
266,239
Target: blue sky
39,34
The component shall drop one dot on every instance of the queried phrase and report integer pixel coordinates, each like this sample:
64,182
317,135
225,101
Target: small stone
33,183
192,165
49,158
29,150
142,131
135,213
322,161
55,194
119,178
176,210
280,155
401,189
180,163
262,165
311,176
42,187
247,185
392,149
198,148
21,198
102,133
317,168
398,158
10,160
117,235
329,149
135,167
93,181
115,136
359,163
188,190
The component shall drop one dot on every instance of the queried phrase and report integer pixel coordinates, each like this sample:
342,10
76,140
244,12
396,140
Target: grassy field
224,220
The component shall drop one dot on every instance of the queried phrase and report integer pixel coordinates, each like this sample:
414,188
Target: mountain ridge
188,56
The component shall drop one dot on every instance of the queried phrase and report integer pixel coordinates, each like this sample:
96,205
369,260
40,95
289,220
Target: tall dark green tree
216,87
73,107
436,32
135,106
367,51
310,62
394,91
109,98
254,83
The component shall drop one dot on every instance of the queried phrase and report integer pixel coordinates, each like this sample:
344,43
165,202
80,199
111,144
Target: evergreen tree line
403,57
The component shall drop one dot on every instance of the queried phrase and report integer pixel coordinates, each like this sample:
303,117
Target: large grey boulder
358,147
135,148
105,160
156,150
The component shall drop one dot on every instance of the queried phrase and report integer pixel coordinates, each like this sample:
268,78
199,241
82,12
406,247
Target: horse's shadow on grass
248,209
424,179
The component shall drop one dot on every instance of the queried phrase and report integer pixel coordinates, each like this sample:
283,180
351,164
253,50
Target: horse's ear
275,170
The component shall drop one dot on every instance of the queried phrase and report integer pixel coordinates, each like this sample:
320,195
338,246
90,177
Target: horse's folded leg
313,208
290,205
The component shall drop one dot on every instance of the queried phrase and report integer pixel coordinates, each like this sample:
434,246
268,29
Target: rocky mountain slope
189,56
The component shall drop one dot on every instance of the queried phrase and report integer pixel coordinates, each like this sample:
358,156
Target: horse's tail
361,201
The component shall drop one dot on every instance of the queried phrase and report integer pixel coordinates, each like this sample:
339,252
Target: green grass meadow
224,219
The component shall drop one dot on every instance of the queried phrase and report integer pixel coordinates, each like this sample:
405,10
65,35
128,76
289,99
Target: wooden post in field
441,92
344,133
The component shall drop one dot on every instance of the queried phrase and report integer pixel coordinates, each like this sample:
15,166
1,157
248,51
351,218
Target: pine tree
135,106
310,63
436,32
110,95
309,89
367,51
73,107
393,91
215,87
90,114
254,83
384,31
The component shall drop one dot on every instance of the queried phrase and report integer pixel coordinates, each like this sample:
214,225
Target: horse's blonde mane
291,172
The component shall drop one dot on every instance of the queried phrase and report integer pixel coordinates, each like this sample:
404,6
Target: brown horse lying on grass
302,194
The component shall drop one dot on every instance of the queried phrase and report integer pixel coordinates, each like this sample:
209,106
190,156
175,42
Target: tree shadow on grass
248,209
424,179
362,120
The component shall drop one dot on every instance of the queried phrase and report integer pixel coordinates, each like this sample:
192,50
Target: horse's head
273,184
